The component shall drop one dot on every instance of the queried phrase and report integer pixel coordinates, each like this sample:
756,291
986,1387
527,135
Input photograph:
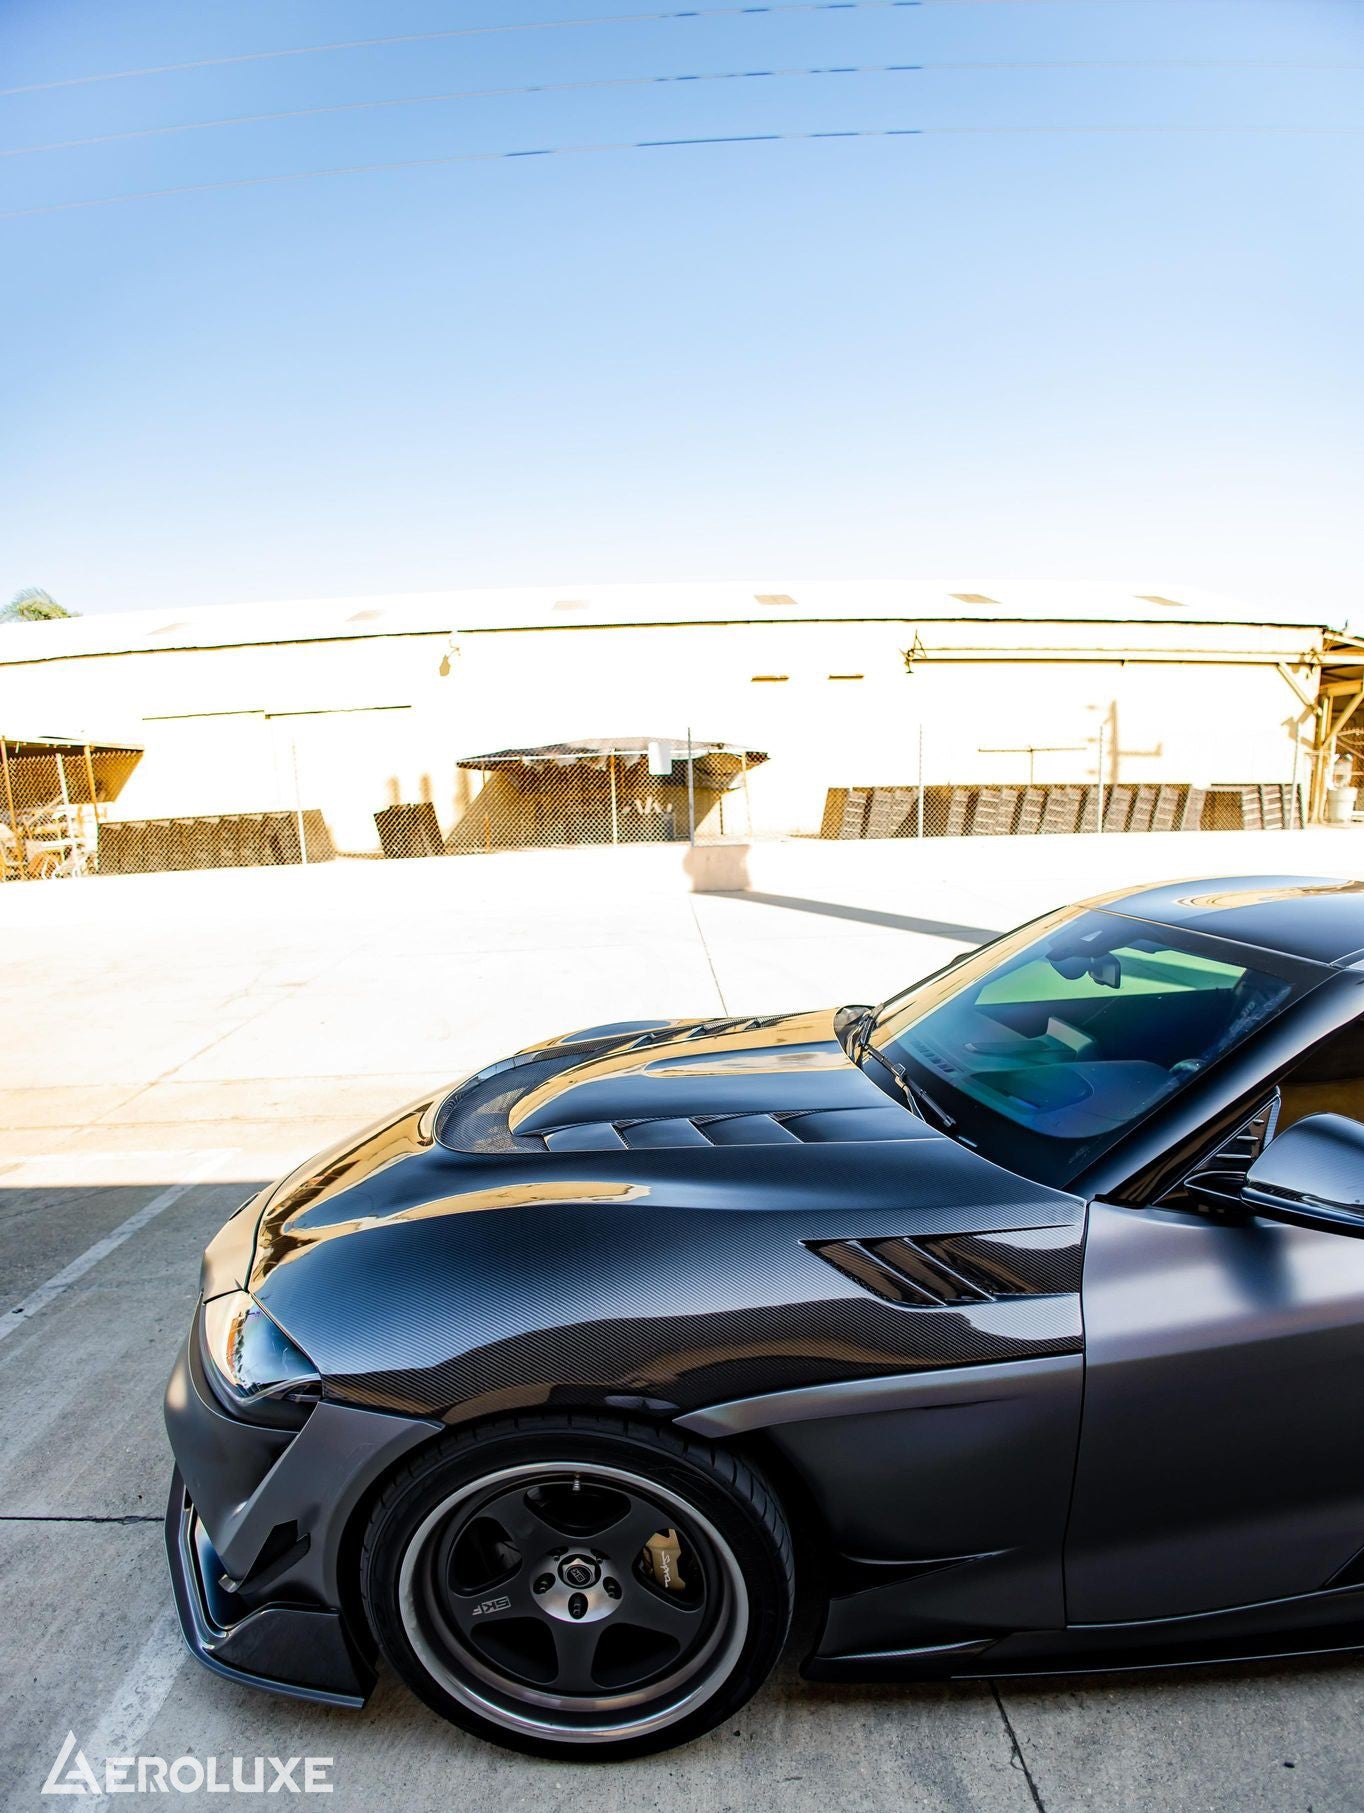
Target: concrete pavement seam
705,951
1017,1749
21,1316
54,1517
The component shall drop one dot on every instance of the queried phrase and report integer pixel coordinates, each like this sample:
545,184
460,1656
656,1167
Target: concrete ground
171,1042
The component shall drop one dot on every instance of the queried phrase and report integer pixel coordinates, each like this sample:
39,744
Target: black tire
580,1675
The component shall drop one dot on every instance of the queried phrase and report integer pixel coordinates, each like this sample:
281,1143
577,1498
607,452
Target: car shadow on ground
896,922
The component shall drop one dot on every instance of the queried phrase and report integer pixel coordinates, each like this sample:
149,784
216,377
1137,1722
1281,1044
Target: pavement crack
1018,1759
53,1517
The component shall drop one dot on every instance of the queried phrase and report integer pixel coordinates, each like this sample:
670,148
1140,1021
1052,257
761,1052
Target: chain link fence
1350,746
626,791
53,797
61,816
58,818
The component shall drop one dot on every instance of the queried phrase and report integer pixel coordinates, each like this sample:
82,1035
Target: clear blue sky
968,355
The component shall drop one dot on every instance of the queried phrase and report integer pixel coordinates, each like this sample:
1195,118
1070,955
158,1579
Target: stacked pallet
229,840
1017,811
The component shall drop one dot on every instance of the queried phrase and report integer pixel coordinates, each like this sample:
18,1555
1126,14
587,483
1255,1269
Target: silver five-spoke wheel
591,1594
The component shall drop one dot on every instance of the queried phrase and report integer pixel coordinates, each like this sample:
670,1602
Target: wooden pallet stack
1032,811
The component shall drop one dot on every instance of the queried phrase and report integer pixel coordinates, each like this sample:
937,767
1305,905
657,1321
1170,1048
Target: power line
458,157
738,138
525,25
472,31
612,82
458,94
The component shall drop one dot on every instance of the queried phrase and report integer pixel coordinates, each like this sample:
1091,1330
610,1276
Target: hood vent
670,1034
831,1126
957,1269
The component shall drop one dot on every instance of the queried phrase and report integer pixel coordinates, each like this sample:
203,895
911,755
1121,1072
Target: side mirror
1312,1175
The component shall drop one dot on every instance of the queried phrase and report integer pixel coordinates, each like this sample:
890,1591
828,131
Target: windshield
1045,1047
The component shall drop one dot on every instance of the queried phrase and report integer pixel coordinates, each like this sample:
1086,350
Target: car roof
1316,917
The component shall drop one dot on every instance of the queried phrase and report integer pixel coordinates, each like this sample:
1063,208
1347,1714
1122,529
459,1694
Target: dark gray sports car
1016,1323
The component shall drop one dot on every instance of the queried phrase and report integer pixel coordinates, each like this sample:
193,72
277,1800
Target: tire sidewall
690,1471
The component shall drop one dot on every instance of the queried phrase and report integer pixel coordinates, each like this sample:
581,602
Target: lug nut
577,1606
612,1587
543,1583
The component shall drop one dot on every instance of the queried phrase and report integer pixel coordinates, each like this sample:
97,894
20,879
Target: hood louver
833,1126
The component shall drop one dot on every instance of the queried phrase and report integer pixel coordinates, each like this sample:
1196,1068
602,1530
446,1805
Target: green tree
33,605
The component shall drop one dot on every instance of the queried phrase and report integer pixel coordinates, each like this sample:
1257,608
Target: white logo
187,1774
79,1778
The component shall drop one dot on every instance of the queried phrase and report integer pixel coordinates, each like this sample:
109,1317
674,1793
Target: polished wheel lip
708,1670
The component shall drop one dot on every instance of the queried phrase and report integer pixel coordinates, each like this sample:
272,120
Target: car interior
1084,1039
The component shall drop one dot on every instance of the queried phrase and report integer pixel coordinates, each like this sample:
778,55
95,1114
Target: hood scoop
778,1080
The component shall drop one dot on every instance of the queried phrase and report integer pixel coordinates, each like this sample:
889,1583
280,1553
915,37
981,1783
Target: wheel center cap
579,1571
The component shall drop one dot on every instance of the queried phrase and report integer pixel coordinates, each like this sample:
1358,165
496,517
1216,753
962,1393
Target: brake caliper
662,1556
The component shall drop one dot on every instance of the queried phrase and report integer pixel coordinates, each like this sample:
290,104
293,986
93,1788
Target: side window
1329,1080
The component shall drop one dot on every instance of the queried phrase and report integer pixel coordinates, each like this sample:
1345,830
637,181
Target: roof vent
570,604
363,617
773,598
972,598
1155,598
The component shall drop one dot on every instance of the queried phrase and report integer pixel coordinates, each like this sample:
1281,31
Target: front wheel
579,1587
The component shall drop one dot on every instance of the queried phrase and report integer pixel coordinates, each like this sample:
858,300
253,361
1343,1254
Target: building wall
1191,708
373,720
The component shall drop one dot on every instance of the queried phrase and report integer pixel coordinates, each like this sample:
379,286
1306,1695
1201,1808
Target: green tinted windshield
1047,1046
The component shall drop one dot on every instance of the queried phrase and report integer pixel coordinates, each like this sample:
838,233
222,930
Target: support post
94,803
19,844
1323,756
69,840
298,804
919,802
615,809
691,793
1099,790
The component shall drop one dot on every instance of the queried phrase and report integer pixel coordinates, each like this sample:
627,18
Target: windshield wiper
854,1037
914,1093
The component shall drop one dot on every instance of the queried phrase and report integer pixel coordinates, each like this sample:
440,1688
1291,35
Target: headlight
227,1257
251,1361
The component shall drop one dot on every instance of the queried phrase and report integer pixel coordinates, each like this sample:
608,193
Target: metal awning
714,762
81,770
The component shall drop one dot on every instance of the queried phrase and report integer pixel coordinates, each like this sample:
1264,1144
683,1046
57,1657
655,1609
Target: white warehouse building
809,703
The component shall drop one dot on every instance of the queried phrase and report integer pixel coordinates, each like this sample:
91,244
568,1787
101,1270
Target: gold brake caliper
662,1556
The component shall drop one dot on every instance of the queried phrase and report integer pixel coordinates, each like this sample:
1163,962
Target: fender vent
938,1269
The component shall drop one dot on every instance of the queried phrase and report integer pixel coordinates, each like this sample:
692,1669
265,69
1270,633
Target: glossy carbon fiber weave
688,1362
574,1299
452,1284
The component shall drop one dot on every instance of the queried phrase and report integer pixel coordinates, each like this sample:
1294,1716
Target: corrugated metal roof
577,750
442,613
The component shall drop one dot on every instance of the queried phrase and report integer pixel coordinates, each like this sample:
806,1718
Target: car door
1220,1461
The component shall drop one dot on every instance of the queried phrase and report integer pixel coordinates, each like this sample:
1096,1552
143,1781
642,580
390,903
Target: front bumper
306,1653
254,1529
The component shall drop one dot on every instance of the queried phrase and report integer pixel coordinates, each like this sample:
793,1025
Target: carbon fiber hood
703,1087
707,1083
633,1205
